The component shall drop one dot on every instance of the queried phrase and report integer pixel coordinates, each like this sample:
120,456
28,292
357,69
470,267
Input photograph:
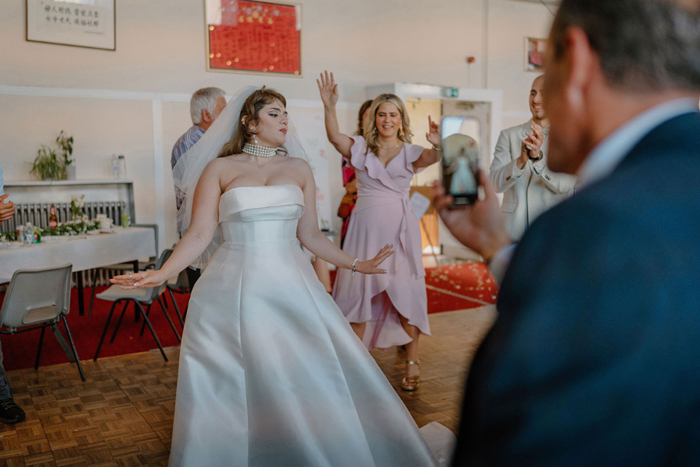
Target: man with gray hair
206,104
593,359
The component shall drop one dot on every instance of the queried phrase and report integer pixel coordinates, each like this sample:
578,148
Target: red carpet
458,287
19,350
454,287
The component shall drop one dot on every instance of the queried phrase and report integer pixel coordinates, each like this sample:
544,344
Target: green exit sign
451,92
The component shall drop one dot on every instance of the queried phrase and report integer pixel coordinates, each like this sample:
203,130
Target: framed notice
253,37
534,54
80,23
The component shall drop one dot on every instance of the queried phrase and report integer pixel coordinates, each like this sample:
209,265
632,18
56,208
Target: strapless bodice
260,214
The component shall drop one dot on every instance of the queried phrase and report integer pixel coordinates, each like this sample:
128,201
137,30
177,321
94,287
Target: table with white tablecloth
83,252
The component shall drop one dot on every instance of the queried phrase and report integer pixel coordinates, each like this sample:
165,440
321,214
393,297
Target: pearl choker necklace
259,151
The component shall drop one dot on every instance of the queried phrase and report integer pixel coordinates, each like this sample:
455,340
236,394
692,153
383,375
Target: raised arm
317,243
205,219
433,155
329,95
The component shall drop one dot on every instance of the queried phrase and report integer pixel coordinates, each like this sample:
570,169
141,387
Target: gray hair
642,45
204,99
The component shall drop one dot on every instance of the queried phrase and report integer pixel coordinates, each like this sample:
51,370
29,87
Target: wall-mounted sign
80,23
450,92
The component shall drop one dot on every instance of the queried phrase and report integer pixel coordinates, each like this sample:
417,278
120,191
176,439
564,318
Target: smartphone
460,168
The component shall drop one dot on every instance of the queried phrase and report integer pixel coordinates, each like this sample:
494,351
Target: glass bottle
53,219
115,167
28,234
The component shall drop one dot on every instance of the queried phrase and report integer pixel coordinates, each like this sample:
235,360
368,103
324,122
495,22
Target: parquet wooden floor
123,414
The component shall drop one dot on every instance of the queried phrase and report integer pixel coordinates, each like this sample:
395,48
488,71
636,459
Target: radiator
38,213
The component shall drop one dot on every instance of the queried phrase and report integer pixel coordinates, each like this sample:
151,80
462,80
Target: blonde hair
371,134
250,115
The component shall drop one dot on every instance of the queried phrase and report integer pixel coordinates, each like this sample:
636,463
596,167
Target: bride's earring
255,139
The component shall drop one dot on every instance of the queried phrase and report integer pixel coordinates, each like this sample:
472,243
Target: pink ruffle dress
382,215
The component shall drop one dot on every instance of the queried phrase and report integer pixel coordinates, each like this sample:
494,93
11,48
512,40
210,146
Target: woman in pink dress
392,309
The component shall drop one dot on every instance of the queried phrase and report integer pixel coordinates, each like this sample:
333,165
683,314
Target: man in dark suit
595,356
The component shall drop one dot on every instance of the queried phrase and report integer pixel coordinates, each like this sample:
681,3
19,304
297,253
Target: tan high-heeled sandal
411,383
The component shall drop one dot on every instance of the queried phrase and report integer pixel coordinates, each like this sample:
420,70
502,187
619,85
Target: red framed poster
253,37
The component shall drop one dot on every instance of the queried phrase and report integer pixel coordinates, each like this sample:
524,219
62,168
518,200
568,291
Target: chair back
154,292
36,296
182,283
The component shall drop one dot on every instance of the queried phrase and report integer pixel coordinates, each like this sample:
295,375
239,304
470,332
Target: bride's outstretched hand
371,266
138,280
328,88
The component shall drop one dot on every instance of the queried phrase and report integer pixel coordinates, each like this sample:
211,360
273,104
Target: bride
271,373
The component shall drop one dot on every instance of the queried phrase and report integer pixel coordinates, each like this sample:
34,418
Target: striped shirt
185,142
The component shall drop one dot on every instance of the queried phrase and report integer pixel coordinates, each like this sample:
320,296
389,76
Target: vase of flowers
77,203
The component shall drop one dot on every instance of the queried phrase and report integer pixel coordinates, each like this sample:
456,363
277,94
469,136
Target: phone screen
460,168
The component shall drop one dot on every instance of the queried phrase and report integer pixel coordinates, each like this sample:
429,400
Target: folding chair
139,297
37,299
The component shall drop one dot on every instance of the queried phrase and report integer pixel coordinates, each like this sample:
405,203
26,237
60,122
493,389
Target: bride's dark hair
250,115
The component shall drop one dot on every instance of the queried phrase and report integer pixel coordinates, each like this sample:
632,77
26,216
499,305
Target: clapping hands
532,144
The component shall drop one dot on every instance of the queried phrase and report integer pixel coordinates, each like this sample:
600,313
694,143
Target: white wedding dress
271,373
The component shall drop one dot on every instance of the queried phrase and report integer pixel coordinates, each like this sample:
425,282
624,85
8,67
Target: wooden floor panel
123,414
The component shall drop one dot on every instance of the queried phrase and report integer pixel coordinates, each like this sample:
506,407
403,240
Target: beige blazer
529,192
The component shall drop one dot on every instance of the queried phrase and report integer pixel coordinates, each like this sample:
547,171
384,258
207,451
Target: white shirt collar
609,153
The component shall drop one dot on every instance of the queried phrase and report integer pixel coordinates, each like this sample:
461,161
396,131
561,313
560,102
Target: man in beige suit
519,169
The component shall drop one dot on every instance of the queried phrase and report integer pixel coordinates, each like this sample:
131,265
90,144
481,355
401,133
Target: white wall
161,50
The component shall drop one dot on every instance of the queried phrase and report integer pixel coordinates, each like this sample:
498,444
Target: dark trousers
193,276
4,385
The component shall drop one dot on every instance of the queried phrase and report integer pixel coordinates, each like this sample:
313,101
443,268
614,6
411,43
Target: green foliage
8,236
48,165
51,163
71,228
